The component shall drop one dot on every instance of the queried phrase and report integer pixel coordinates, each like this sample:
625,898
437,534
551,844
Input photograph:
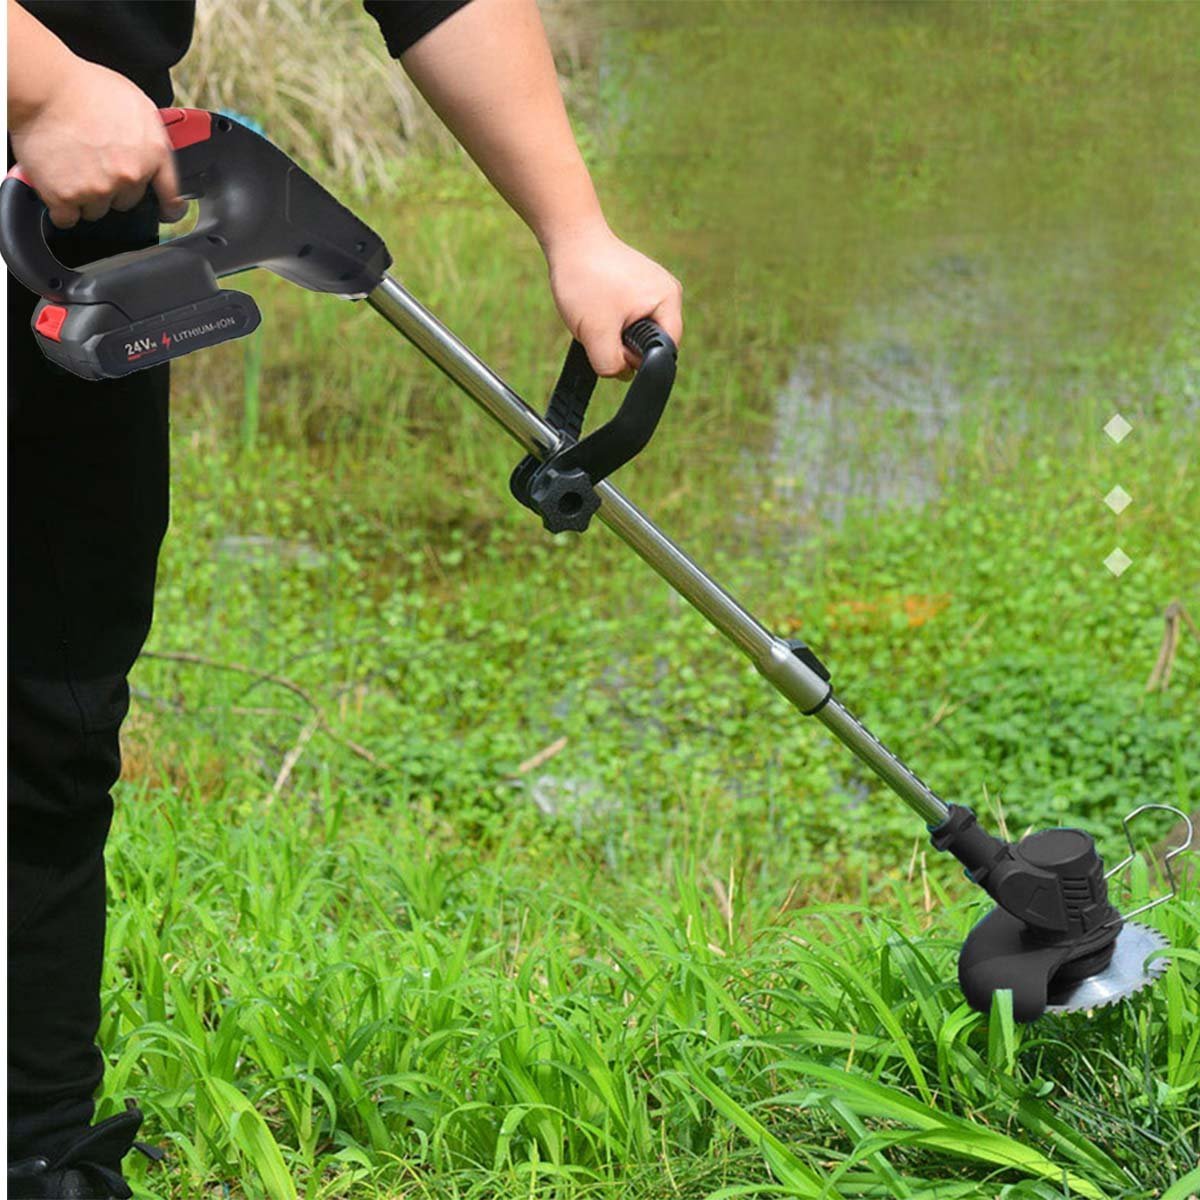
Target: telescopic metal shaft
773,656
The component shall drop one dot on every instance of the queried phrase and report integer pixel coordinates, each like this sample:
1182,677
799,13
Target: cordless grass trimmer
1054,938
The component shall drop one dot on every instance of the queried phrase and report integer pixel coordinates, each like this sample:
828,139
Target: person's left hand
600,286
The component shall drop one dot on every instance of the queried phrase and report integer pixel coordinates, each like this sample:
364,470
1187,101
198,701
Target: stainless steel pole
773,657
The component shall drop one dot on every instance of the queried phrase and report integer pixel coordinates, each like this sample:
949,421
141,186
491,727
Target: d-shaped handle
561,487
257,209
629,431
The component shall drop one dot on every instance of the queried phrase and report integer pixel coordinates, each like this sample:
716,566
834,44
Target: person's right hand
93,143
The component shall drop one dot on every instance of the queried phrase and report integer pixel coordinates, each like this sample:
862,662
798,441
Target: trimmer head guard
1001,952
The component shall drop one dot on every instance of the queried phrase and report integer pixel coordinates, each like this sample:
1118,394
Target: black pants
87,509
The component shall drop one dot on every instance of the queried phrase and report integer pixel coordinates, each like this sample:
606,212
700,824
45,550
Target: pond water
971,221
871,417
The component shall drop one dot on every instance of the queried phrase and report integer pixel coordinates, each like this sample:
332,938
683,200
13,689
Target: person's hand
93,142
600,286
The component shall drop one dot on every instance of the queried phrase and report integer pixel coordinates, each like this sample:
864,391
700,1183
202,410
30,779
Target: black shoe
88,1169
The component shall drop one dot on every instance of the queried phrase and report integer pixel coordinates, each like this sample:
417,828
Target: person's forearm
36,59
488,73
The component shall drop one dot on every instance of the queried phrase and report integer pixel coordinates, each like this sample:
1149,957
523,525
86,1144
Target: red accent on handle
50,322
186,126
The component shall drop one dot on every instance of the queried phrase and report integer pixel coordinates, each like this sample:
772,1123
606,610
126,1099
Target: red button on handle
50,322
186,126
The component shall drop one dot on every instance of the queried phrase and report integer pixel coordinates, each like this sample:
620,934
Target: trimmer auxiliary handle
561,486
257,209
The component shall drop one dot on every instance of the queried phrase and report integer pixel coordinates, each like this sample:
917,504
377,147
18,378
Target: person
88,477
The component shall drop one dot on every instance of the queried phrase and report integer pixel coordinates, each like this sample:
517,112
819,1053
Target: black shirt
144,39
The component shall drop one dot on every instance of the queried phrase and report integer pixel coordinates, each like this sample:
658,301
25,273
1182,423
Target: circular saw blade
1126,973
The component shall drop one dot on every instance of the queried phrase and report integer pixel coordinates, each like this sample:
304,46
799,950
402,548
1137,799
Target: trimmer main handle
257,209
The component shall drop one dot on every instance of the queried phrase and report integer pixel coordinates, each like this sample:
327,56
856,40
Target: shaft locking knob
565,500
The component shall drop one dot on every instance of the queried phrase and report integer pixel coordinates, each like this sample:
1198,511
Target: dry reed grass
317,76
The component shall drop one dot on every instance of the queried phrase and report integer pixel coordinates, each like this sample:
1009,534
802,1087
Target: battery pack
97,341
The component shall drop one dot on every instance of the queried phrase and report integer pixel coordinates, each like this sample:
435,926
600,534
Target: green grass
705,974
408,1019
457,861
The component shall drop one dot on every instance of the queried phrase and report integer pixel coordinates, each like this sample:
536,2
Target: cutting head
1055,939
1128,971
